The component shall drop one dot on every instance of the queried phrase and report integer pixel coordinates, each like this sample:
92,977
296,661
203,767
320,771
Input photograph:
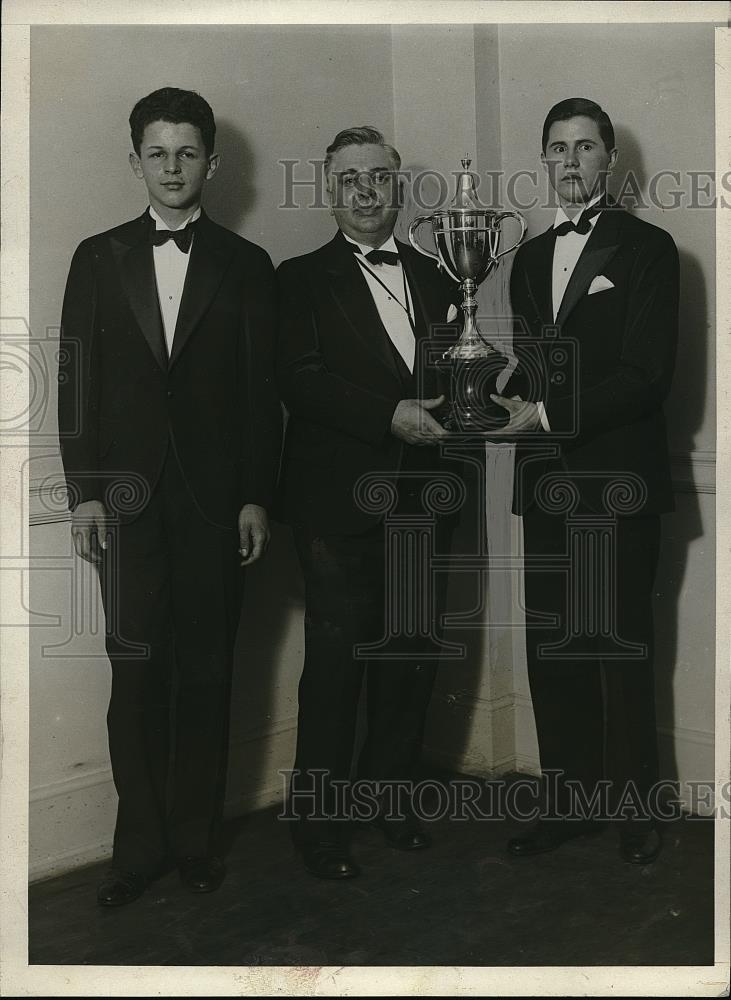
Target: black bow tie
583,226
378,256
181,237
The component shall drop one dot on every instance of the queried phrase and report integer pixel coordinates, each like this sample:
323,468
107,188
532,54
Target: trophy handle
419,221
523,227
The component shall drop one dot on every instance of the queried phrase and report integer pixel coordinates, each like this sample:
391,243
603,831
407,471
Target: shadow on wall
628,184
262,722
449,738
685,525
629,175
267,664
232,192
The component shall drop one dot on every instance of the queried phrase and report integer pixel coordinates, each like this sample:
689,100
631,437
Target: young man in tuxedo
353,319
170,432
592,480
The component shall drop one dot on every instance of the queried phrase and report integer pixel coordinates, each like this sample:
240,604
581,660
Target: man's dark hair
574,106
169,104
362,135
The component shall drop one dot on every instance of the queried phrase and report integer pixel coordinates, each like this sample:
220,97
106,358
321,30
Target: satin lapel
420,276
208,261
137,271
430,307
600,248
349,289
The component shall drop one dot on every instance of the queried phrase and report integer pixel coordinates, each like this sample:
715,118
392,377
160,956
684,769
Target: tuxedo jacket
341,378
123,403
602,369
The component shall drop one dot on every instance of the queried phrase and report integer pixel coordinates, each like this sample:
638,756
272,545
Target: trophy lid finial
466,196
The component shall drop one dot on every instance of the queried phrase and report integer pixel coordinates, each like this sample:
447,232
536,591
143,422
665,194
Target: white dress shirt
394,303
171,267
566,253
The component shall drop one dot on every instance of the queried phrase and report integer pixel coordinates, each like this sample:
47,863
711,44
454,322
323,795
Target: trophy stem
471,342
469,308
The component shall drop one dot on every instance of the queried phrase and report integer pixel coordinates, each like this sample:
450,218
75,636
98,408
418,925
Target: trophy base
471,381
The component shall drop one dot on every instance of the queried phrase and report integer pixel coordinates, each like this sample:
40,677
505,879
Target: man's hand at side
413,423
253,533
89,530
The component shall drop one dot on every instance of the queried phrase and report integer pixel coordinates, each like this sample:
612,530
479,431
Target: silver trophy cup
467,238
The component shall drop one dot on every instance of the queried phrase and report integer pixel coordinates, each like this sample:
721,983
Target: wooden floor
464,902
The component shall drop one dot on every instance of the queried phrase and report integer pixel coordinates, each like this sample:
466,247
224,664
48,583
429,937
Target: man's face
173,164
577,160
364,193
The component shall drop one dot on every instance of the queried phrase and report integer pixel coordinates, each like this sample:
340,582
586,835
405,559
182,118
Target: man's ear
213,163
544,164
134,162
612,158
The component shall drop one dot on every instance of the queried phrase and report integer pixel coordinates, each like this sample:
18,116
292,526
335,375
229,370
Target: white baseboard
247,802
688,752
67,861
71,823
71,820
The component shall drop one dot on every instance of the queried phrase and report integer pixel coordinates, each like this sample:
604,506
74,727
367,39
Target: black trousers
589,622
354,596
171,587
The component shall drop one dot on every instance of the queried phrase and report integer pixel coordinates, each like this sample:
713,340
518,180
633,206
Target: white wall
280,92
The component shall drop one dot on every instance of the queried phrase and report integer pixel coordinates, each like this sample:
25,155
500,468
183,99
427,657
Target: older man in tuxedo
170,431
595,299
355,316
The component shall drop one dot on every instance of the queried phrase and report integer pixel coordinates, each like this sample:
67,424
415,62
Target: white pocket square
600,284
452,313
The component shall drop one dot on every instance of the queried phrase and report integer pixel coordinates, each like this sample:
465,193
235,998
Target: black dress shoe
404,834
201,874
639,847
326,859
548,836
119,887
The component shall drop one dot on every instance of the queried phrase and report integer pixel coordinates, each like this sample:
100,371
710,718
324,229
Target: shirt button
170,393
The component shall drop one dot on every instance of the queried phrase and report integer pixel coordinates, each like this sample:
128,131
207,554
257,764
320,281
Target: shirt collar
161,224
561,216
390,244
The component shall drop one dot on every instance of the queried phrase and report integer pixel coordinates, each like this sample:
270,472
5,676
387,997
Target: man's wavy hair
571,108
169,104
361,135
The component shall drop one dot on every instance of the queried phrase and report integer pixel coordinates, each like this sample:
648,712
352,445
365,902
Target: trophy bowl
467,238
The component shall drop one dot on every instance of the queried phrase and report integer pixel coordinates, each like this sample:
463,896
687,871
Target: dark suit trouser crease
171,588
594,714
345,593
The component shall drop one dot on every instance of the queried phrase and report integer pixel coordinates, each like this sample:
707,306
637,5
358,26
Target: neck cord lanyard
383,285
